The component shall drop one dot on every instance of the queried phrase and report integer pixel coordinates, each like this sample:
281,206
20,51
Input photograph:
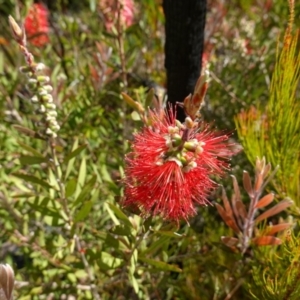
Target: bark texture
185,22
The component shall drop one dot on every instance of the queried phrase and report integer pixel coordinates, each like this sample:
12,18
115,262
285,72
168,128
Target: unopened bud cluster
37,83
182,149
40,87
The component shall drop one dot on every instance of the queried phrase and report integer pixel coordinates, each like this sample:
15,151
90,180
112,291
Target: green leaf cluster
277,276
273,130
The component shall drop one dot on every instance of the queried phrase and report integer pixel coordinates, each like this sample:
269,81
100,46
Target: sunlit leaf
247,183
276,228
84,211
229,241
82,172
162,241
120,214
282,205
135,105
265,201
71,187
74,153
30,149
33,179
88,187
229,220
71,161
108,261
149,97
266,241
236,198
169,233
32,160
135,116
28,132
160,265
121,230
134,282
226,203
241,209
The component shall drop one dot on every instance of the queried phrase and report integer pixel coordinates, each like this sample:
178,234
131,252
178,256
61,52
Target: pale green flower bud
49,118
176,140
47,98
50,106
191,145
34,99
43,79
42,109
52,113
40,67
49,131
48,88
173,130
192,165
42,92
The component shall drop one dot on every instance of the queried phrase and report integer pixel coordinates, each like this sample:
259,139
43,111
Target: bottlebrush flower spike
36,25
169,168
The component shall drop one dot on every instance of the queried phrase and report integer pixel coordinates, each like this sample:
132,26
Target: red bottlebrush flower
169,168
36,25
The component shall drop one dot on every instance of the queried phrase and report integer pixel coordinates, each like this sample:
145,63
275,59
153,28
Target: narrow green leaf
111,214
169,233
74,153
71,161
33,179
45,211
108,261
157,244
121,230
120,214
32,160
160,265
84,211
149,98
23,195
111,241
28,132
134,282
82,172
30,149
71,187
53,181
135,105
86,190
45,202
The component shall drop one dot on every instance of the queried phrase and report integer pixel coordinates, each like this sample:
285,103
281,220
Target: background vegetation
62,227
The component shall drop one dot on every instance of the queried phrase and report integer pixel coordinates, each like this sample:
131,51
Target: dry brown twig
242,221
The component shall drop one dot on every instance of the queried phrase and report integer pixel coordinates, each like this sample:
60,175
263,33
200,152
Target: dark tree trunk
185,22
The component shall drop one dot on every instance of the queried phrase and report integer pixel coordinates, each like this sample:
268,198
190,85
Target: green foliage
273,130
277,276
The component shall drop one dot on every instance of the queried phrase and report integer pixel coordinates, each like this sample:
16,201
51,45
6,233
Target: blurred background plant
90,62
